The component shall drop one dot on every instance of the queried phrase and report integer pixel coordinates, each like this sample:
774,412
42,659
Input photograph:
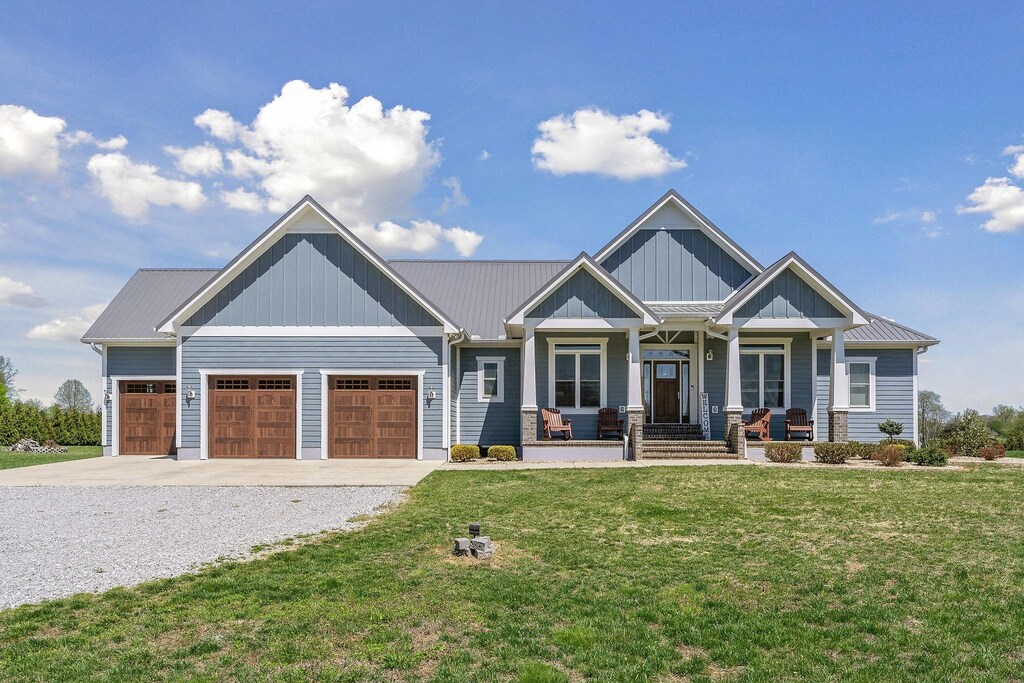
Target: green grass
1015,454
659,574
10,460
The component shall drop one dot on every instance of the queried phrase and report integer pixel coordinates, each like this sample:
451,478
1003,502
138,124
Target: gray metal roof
478,294
685,310
145,301
880,330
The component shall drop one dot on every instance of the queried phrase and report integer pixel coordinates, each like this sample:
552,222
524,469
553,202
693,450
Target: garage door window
274,385
139,388
233,384
352,384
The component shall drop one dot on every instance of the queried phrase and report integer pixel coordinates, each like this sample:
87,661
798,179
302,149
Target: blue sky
851,135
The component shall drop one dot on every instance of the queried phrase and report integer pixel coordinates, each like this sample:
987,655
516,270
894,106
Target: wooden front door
252,417
372,417
146,417
665,399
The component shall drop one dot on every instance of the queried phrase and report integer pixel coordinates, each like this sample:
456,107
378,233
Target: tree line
72,420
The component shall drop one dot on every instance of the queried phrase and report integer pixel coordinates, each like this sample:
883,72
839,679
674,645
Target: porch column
528,422
839,391
635,401
733,397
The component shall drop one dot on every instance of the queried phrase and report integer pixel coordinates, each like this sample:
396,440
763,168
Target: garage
252,417
372,417
146,417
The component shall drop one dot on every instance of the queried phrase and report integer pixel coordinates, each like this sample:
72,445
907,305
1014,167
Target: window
139,388
862,384
577,379
490,379
398,384
225,384
274,384
352,383
764,375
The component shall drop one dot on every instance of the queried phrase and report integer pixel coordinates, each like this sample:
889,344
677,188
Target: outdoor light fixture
106,396
474,529
710,355
190,393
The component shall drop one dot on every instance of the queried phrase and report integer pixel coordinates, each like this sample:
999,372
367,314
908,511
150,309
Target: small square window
490,379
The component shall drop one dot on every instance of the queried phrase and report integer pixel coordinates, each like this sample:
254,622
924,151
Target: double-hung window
577,380
764,373
862,383
490,380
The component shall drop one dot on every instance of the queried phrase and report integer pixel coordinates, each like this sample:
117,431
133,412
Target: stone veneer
731,418
838,426
635,432
529,427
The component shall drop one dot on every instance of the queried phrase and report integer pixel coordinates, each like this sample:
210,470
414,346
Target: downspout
96,348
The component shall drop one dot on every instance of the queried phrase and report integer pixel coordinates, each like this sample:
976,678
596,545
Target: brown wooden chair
608,422
759,424
797,424
552,422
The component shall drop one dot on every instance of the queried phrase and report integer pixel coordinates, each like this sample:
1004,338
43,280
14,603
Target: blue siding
584,425
135,361
788,296
489,423
714,384
311,354
894,389
671,259
312,279
581,296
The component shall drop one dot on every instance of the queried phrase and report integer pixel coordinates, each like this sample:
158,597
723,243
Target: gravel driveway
57,541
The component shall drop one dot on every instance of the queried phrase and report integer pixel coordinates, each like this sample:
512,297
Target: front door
666,392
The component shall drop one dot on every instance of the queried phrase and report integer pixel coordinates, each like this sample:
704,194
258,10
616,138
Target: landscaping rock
461,547
481,547
33,446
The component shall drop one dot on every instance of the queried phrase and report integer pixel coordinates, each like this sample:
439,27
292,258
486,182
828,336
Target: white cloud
457,198
933,232
1017,151
1000,198
889,217
419,237
929,216
199,160
15,293
464,241
219,124
67,329
595,141
29,143
81,137
484,155
242,200
132,187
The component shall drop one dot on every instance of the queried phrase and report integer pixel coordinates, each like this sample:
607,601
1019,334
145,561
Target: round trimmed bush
857,449
464,452
780,451
503,453
932,456
831,453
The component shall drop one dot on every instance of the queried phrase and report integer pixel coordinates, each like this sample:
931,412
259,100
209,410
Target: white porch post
839,391
634,394
529,370
733,398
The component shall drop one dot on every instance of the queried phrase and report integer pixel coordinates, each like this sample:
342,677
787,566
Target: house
310,345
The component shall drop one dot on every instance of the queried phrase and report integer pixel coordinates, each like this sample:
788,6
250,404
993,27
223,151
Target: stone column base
635,432
732,418
838,426
529,427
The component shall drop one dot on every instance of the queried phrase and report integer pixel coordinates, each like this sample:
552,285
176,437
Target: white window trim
603,343
499,394
115,404
787,366
872,400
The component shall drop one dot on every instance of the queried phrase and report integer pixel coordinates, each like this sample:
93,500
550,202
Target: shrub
967,435
932,456
462,452
993,451
891,428
889,455
864,451
502,452
778,451
832,453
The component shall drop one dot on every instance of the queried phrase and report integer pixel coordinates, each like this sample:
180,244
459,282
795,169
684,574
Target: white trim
692,388
872,405
327,372
790,323
310,331
106,404
814,384
446,406
917,407
683,303
254,251
115,404
572,324
716,235
204,403
169,341
787,369
700,357
529,369
603,351
499,396
181,394
458,394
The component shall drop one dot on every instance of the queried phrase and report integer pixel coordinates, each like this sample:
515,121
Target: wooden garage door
252,417
146,417
372,417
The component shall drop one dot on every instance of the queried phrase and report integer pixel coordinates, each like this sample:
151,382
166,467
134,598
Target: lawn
658,574
9,460
1015,454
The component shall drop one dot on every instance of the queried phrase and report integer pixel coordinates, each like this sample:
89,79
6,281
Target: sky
884,142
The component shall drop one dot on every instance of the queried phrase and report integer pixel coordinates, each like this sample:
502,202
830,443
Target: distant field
9,460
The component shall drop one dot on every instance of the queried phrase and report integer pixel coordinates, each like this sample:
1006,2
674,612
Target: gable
788,296
581,296
312,279
670,258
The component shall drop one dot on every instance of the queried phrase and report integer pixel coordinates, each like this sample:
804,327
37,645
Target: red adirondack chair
552,422
759,424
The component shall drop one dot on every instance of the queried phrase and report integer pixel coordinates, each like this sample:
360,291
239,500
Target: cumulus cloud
929,216
14,293
1000,198
484,155
242,200
67,329
219,124
81,137
457,198
596,141
888,217
1017,151
419,237
29,143
199,160
131,188
464,241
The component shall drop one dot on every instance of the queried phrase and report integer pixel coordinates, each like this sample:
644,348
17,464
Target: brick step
685,445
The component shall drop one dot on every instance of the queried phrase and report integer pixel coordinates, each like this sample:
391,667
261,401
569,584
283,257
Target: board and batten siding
584,425
311,354
489,423
581,296
894,393
134,361
311,279
671,259
788,296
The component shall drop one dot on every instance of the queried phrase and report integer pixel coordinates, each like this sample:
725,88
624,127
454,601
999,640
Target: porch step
673,432
686,449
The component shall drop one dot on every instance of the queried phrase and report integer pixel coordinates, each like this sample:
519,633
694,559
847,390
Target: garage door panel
253,417
146,417
372,417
